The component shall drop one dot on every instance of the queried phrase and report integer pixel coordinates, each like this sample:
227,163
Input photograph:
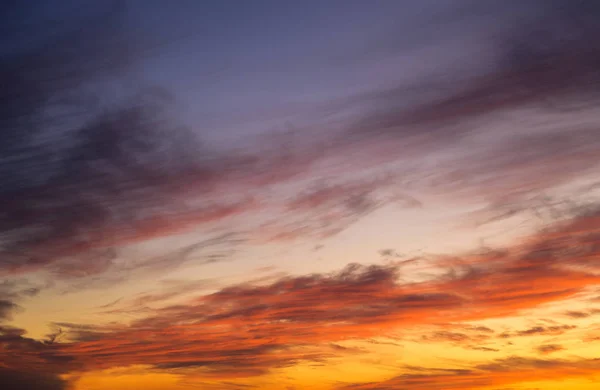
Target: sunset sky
328,195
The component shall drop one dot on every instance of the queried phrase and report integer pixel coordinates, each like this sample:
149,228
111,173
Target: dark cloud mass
22,380
31,364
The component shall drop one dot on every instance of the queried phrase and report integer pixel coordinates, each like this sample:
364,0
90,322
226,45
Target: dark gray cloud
31,364
25,380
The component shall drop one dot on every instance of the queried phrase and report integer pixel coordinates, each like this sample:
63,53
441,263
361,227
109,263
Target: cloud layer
249,330
95,159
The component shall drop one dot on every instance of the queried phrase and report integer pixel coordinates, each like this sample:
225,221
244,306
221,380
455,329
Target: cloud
94,187
13,291
329,207
249,329
485,349
24,380
84,271
553,330
578,314
6,309
82,194
168,290
468,339
513,174
496,134
500,372
112,191
561,260
531,69
549,348
29,363
80,175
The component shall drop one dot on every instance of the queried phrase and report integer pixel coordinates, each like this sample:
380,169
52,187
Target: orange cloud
248,329
547,349
500,372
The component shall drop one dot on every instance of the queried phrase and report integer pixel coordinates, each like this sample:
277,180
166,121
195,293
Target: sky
329,195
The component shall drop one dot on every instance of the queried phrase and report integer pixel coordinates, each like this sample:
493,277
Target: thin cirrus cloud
105,188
